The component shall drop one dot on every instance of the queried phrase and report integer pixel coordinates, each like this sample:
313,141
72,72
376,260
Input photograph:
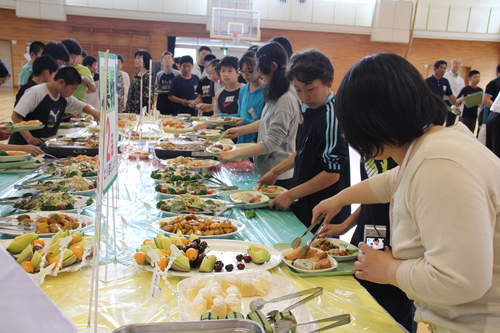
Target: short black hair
84,54
473,72
186,58
266,55
439,63
73,46
4,70
89,61
498,69
204,48
283,41
69,74
372,116
253,48
248,58
165,53
216,64
146,57
57,50
209,57
45,62
310,65
229,61
119,56
36,46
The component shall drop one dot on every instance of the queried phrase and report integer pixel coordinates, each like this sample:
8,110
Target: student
143,74
92,96
74,49
44,70
278,125
283,41
47,103
163,81
321,161
4,135
183,88
35,51
199,67
251,100
57,51
204,99
216,83
226,99
442,173
75,55
123,85
469,115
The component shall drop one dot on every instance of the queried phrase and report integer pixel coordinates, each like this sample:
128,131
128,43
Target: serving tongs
258,304
304,249
284,325
296,242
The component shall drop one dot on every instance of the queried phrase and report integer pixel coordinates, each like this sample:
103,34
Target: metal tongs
296,242
258,304
282,326
304,249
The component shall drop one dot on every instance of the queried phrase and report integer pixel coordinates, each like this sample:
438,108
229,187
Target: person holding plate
443,195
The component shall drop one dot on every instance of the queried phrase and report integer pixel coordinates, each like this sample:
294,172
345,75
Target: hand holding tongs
287,325
259,303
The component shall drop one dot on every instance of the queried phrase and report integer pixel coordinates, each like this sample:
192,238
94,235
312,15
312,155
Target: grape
241,266
239,257
219,262
229,267
247,259
218,268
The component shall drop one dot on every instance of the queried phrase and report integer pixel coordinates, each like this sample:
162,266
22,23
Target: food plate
29,161
206,134
193,163
279,286
143,155
34,216
25,128
165,186
226,250
20,156
244,196
218,148
77,197
68,269
222,202
343,245
220,120
272,191
240,226
289,264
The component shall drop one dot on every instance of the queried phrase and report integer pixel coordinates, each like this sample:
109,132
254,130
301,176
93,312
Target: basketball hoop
236,38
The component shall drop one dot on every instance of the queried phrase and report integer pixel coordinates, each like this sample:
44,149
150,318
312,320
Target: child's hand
282,201
226,156
192,104
231,133
34,141
268,179
4,135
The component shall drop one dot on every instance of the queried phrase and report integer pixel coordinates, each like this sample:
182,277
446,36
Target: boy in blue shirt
35,51
183,88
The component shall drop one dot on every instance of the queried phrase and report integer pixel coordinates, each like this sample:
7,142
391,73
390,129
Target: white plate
201,167
337,241
216,152
236,197
271,195
16,158
279,286
240,226
68,269
175,214
226,250
220,120
78,197
289,263
12,219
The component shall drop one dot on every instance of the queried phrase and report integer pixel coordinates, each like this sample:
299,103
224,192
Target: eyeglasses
245,72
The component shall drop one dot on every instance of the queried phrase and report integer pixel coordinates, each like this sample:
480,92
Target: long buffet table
126,300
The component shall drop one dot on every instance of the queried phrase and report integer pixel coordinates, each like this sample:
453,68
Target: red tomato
91,187
193,192
343,253
178,192
191,209
61,207
163,190
209,191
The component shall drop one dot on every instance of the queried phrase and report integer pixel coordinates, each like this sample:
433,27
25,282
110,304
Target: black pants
470,122
493,133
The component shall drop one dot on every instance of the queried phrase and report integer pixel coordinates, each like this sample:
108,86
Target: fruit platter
188,203
205,256
65,252
201,226
44,223
174,173
168,190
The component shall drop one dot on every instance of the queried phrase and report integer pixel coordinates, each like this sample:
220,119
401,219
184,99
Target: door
6,56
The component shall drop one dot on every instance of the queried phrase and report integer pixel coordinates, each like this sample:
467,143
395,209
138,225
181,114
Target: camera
375,236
